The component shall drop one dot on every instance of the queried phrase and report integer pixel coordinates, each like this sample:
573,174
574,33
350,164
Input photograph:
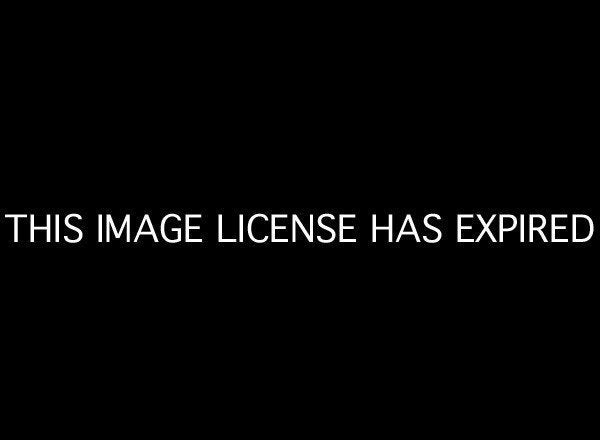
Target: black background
386,112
